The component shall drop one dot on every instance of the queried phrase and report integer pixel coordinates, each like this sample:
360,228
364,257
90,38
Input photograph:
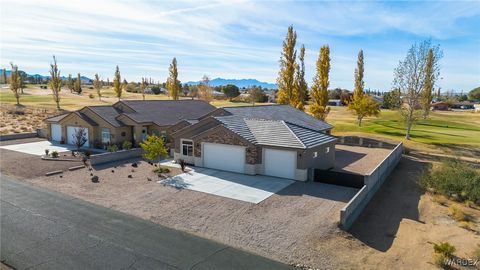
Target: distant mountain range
215,82
238,82
39,76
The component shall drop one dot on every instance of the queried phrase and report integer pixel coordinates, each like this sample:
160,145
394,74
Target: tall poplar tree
4,76
286,75
97,84
143,86
173,85
55,82
117,83
15,80
361,104
301,87
78,84
70,83
427,96
319,92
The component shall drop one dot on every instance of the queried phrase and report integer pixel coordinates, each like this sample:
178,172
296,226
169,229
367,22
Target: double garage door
56,130
277,163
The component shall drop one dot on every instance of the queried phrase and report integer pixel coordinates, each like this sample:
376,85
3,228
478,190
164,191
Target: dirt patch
279,227
26,166
399,226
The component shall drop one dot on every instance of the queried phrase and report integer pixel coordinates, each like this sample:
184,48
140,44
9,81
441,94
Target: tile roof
57,117
107,113
274,132
279,112
168,112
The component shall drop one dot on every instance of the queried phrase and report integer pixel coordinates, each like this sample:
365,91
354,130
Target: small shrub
457,213
161,170
182,164
440,260
54,154
87,154
112,148
46,152
127,145
444,248
440,200
94,179
467,225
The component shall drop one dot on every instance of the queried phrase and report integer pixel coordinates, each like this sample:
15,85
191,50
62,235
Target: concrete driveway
248,188
38,148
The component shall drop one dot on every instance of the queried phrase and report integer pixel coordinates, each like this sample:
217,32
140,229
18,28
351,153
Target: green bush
444,248
112,148
453,177
127,145
161,170
54,154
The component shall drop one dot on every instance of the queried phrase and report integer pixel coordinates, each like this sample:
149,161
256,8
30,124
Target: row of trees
414,81
293,89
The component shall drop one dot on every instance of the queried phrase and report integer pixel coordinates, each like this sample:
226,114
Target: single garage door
56,130
224,157
70,135
280,163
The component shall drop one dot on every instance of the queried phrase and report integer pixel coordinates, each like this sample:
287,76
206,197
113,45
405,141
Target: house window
327,149
187,148
105,135
315,154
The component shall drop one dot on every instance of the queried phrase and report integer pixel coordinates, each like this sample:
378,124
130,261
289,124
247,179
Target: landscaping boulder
130,176
135,165
95,179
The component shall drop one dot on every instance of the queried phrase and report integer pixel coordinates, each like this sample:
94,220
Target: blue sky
237,39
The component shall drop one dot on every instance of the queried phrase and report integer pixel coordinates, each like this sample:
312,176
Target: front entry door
144,133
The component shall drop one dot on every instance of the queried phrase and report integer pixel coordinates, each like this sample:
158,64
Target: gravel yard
287,226
26,166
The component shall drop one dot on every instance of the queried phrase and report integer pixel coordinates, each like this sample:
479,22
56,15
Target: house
126,120
335,102
275,140
439,106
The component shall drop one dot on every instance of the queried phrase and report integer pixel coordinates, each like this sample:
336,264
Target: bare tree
410,78
55,82
97,84
204,89
15,81
79,137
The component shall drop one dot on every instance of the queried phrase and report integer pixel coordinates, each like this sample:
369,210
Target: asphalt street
43,229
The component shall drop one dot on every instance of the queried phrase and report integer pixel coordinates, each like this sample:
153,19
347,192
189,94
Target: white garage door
56,130
70,136
224,157
280,163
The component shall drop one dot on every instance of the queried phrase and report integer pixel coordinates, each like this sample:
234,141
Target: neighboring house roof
83,116
274,132
279,112
107,113
167,112
57,118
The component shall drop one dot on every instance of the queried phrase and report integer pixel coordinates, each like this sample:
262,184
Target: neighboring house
127,120
439,106
275,140
335,102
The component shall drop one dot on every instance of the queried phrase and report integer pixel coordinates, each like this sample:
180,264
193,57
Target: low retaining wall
115,156
372,182
42,132
17,136
365,142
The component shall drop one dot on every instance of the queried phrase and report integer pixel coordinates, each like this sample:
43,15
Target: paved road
43,229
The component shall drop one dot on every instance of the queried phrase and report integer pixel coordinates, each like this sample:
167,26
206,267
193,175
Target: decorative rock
149,179
130,176
61,176
135,165
113,171
95,179
133,170
91,174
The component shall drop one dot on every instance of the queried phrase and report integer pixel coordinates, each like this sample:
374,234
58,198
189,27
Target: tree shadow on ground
397,199
113,164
